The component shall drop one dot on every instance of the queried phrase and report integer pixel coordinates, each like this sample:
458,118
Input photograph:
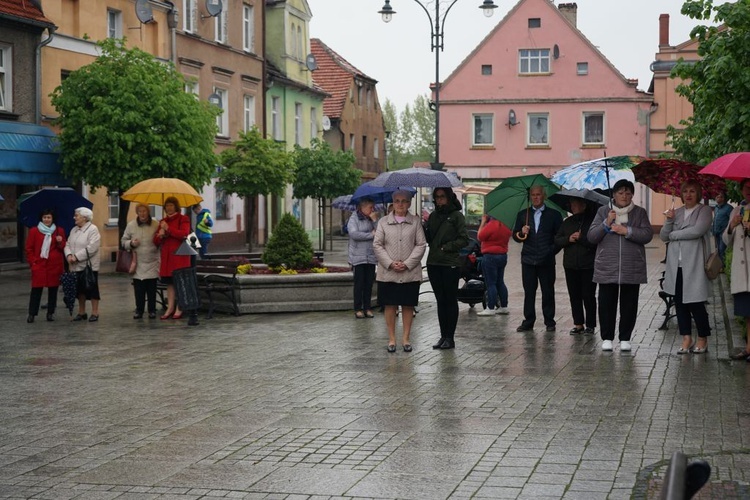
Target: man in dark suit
536,228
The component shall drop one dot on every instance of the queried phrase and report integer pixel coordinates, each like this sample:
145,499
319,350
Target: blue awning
28,155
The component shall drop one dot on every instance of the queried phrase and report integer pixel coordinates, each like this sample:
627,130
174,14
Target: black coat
538,248
580,254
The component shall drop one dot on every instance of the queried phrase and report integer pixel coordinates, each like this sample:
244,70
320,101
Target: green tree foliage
718,85
412,133
288,245
126,117
322,172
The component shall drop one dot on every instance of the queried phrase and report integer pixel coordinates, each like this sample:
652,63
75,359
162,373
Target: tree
718,85
288,245
412,133
126,117
255,166
323,173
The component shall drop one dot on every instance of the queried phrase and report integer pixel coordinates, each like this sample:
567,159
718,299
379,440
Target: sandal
391,347
359,315
369,314
700,350
740,355
407,348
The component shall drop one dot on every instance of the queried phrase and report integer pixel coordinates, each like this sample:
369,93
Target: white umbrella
417,177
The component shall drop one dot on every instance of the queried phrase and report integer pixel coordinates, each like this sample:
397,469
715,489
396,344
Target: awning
28,155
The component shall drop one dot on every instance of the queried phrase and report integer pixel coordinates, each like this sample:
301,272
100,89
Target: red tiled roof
334,75
24,9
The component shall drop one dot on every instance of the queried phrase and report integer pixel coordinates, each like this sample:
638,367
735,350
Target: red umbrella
666,175
734,166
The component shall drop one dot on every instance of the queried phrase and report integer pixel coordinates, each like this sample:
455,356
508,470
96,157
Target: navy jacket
539,247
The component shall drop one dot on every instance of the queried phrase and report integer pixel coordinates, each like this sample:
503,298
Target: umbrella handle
519,235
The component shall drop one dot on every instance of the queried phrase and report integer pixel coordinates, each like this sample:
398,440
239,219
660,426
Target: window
248,28
351,142
113,206
191,87
375,150
313,123
593,128
188,16
6,78
538,129
222,121
249,112
220,26
486,69
483,129
533,61
300,43
582,68
369,98
222,205
364,146
298,123
535,22
114,23
360,92
276,117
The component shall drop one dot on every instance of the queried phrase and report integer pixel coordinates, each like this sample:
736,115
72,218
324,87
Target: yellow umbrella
155,191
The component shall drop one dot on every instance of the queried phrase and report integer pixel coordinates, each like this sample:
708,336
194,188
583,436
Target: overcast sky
398,54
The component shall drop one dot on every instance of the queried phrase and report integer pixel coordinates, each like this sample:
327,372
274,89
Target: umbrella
562,198
155,191
63,201
505,201
417,177
68,281
734,166
601,173
666,175
376,193
346,203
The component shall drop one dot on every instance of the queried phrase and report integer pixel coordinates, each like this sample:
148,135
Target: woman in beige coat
736,238
82,247
399,245
139,239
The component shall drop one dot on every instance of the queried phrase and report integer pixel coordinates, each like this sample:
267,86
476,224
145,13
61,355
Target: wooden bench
218,277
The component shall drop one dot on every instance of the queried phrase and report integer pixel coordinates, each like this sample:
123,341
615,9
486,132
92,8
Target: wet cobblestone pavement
311,405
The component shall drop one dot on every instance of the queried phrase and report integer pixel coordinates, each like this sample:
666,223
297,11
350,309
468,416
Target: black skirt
742,304
398,294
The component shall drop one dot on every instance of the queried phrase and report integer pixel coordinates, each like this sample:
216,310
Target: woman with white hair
399,245
81,248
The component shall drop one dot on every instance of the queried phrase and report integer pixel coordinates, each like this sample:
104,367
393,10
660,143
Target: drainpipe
172,22
38,76
651,111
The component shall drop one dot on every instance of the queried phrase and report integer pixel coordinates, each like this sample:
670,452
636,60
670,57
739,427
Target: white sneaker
607,345
486,312
625,346
502,310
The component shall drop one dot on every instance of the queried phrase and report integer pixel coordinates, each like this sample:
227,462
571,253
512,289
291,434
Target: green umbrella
505,201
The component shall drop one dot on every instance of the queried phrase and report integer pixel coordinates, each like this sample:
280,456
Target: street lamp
437,33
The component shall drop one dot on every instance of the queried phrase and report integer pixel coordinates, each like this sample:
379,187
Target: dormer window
535,22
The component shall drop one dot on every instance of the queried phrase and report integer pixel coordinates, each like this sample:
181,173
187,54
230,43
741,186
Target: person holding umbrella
578,263
82,248
535,228
621,233
45,255
172,231
446,234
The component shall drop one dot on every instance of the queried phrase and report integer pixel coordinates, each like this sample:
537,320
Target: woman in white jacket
139,239
736,237
82,247
687,232
399,246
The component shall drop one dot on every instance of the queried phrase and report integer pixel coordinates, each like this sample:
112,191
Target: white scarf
622,213
47,232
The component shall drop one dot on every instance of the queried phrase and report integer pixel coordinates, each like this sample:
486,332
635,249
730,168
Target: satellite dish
143,11
326,123
310,62
214,7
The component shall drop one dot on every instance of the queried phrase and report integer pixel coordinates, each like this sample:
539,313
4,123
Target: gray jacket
688,248
621,259
147,253
361,234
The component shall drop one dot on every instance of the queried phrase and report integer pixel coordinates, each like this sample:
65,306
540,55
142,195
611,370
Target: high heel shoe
168,315
177,315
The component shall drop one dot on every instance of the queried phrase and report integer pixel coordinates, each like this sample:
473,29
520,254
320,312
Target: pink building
536,96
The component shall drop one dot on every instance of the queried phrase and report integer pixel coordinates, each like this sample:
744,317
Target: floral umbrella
601,173
666,175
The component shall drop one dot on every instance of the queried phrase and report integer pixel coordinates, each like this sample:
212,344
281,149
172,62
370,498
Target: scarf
622,213
47,232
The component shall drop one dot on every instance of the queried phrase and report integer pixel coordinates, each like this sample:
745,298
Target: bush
289,245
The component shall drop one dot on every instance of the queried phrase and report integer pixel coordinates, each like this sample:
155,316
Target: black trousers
696,310
544,277
145,289
364,278
582,291
608,298
36,299
444,281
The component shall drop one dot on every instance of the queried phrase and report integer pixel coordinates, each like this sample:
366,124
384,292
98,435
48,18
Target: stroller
473,290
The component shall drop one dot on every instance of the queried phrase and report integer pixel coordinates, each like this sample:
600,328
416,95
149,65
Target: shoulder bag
713,264
126,261
89,278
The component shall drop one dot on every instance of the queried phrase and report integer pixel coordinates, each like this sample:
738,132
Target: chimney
570,11
664,30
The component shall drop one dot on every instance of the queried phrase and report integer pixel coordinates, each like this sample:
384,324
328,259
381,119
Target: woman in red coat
173,229
44,253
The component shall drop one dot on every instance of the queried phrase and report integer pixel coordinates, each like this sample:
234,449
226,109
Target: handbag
89,278
713,264
126,261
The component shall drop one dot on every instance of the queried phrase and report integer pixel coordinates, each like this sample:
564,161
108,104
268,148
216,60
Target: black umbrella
63,201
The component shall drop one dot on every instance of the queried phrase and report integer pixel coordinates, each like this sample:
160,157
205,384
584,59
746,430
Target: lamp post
437,33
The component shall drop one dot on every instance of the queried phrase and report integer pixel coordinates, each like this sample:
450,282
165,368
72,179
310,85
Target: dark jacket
538,248
580,254
446,234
